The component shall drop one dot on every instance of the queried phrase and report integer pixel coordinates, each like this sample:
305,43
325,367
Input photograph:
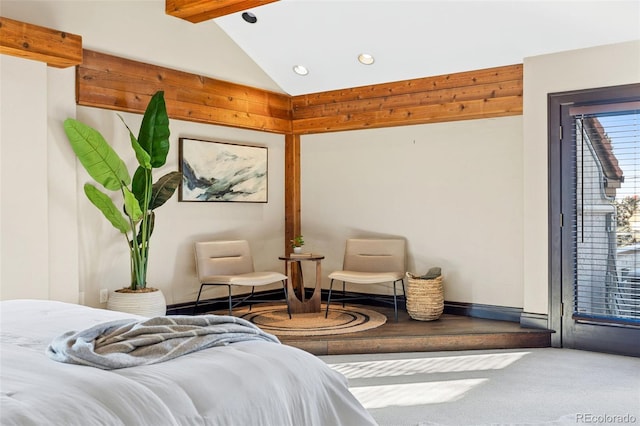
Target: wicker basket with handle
425,297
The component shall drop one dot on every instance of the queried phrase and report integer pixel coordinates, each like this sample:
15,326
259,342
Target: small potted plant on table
297,243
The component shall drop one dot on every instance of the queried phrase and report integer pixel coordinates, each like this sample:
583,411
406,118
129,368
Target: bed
247,383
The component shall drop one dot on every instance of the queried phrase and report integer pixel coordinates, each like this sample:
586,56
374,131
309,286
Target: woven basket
425,298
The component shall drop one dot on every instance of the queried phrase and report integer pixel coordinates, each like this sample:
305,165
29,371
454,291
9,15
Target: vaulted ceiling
407,38
419,38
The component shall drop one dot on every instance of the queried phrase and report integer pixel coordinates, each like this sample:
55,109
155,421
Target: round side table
298,302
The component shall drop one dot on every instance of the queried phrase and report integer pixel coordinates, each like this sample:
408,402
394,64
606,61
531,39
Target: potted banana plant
140,196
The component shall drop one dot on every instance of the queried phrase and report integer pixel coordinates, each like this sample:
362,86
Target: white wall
23,179
603,66
39,220
61,193
453,190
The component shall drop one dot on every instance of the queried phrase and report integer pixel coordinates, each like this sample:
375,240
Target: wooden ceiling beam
203,10
57,48
486,93
111,82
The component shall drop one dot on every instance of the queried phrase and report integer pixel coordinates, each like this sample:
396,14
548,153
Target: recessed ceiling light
365,59
300,70
249,17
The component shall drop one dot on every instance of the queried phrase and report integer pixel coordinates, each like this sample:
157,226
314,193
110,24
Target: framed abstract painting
221,171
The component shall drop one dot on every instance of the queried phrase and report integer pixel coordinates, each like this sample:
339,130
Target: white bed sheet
243,384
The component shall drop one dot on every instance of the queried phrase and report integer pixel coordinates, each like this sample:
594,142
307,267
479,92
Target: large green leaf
164,188
100,160
106,206
131,205
141,185
144,160
154,130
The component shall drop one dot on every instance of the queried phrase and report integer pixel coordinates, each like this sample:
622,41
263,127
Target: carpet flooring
542,386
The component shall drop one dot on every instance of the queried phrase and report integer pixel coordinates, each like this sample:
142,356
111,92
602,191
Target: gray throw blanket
133,342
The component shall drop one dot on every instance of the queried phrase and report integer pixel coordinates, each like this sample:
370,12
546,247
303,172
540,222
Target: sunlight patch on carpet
409,367
402,395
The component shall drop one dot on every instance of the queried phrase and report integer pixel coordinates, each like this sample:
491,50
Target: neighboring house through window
594,177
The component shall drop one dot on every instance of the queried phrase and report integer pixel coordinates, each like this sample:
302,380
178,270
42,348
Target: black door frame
569,333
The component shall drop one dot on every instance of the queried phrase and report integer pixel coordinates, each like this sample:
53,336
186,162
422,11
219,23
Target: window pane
607,223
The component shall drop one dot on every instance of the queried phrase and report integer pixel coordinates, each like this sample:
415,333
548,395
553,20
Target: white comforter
244,384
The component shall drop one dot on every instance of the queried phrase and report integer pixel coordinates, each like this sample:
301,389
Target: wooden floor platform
449,333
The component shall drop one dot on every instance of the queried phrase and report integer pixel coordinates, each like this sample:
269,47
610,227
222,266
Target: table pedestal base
298,303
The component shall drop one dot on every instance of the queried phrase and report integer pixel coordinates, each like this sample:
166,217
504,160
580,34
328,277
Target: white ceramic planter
148,304
297,249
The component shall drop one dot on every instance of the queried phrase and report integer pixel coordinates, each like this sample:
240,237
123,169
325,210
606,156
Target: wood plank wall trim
111,82
492,92
57,48
203,10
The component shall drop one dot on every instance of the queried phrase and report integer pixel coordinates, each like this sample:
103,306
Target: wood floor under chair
450,332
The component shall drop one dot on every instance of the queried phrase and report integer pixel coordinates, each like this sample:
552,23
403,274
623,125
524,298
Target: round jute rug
275,320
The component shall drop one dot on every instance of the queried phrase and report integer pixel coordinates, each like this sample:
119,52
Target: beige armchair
230,263
372,261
